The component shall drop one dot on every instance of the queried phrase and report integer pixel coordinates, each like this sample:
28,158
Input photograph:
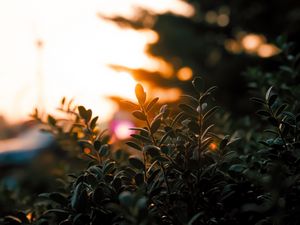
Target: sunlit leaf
151,104
140,94
139,115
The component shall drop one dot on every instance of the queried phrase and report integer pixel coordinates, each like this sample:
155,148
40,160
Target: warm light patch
267,50
223,20
87,151
29,216
233,46
185,73
213,146
166,95
251,42
121,129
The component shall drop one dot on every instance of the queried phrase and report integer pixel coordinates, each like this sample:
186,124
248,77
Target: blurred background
96,51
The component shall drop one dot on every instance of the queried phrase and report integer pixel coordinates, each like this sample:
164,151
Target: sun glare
73,60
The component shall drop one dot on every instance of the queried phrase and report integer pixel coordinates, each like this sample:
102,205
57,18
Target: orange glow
233,46
29,216
213,146
267,50
73,60
165,95
251,42
87,151
121,129
185,73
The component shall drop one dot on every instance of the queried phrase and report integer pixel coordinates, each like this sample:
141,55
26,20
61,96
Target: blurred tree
219,41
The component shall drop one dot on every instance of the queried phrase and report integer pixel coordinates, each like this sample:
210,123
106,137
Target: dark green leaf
51,120
188,110
152,150
155,125
139,179
136,162
280,109
109,167
268,93
210,112
258,100
93,122
198,84
273,121
263,113
134,145
126,198
272,99
224,143
237,168
104,150
141,138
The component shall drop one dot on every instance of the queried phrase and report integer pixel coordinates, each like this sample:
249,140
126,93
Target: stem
200,122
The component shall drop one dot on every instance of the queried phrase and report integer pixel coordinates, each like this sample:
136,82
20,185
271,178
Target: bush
183,172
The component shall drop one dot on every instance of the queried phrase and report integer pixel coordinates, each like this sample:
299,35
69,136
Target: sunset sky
77,48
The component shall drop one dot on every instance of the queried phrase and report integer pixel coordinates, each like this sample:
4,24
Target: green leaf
177,118
140,94
97,145
280,109
104,150
139,115
51,120
151,104
141,138
272,99
152,150
268,93
109,167
192,99
12,220
237,168
193,126
210,112
195,217
206,130
224,143
258,100
79,198
126,198
198,84
211,89
263,113
94,122
188,110
155,125
136,162
273,121
85,114
134,145
164,110
58,198
139,179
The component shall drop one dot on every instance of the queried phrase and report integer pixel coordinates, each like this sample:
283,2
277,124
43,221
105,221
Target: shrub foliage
183,172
